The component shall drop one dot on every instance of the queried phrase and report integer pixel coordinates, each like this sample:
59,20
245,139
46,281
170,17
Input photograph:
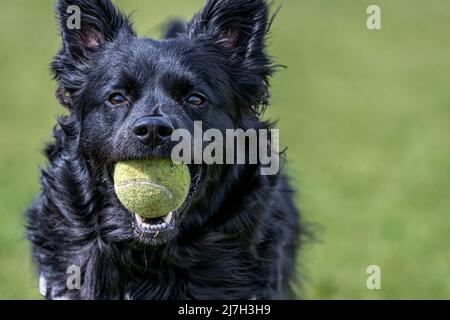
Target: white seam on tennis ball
145,182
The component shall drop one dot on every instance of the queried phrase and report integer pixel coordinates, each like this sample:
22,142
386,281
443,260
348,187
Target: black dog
237,235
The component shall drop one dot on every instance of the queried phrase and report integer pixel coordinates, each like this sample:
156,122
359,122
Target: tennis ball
151,188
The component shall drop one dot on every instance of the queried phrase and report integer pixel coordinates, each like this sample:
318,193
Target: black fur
237,235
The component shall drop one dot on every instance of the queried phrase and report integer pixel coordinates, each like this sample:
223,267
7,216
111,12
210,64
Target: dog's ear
85,25
239,26
238,29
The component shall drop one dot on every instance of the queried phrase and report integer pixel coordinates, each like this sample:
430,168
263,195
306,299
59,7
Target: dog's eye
196,100
117,99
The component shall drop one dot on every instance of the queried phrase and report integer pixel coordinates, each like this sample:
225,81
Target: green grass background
365,114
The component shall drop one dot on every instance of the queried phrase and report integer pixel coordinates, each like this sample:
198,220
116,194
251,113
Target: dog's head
126,95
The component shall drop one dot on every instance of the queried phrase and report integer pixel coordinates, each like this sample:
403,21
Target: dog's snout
153,131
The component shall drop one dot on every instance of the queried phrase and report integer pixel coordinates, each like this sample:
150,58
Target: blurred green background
366,116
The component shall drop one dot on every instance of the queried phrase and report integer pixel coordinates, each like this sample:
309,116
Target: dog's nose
153,131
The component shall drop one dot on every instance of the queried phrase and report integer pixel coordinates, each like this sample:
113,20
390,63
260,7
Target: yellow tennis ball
151,188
